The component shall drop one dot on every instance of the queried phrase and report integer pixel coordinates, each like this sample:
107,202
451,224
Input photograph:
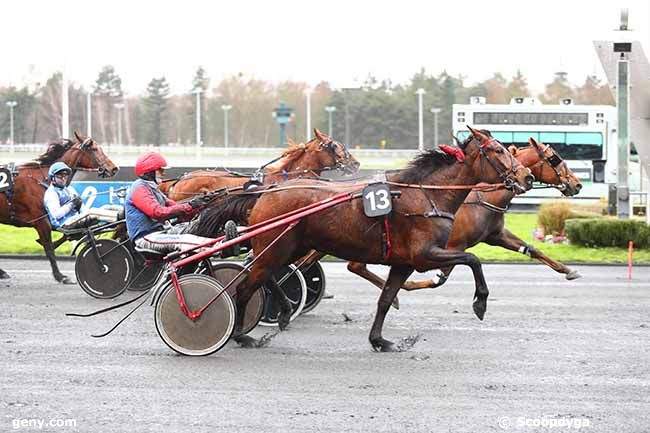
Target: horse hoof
395,303
4,276
283,321
479,306
573,275
65,280
381,345
246,341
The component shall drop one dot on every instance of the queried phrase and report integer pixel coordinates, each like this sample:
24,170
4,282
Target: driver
147,210
63,204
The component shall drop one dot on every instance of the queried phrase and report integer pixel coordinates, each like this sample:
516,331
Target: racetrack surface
549,349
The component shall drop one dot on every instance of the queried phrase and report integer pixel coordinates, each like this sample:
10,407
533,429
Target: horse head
491,160
548,167
87,155
333,154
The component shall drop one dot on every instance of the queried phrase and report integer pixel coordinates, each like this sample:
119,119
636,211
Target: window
570,145
521,138
531,118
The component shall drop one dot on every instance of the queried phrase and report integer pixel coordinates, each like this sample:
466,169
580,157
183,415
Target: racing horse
23,205
417,230
481,217
310,159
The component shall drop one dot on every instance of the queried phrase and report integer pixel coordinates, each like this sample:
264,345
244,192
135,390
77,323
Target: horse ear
320,135
290,142
77,136
513,150
533,142
476,133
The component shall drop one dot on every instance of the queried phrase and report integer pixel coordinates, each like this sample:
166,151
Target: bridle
507,175
86,146
554,162
340,163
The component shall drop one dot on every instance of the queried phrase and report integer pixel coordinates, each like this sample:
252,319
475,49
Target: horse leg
396,277
45,239
509,241
441,258
278,295
245,290
4,275
429,284
361,269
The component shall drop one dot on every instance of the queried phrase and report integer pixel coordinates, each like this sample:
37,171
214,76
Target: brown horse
23,206
481,217
418,227
309,160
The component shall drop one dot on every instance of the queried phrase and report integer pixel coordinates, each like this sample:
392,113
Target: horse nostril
578,187
529,180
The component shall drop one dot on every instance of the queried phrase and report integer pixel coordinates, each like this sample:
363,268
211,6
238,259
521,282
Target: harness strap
487,205
385,238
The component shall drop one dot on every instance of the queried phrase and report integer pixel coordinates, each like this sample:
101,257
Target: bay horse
23,205
481,217
418,228
310,159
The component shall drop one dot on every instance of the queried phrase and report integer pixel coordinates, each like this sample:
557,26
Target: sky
339,41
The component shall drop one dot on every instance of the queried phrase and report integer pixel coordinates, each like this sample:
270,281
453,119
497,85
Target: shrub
608,232
553,215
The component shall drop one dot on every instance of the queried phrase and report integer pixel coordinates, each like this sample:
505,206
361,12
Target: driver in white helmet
147,210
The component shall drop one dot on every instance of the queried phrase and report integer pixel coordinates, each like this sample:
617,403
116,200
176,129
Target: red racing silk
144,200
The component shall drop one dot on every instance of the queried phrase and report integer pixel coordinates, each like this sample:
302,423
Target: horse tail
213,218
120,234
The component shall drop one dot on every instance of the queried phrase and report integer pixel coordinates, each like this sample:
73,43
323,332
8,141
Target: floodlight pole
623,129
420,92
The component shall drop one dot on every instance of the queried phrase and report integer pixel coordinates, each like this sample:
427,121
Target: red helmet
148,162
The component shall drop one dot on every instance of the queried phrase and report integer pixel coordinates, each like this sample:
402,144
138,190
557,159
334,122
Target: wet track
547,348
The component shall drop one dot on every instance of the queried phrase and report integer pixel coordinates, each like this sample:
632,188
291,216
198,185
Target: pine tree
155,103
108,91
594,92
558,89
517,87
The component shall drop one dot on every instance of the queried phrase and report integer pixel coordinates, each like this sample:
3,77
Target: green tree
24,114
155,103
108,92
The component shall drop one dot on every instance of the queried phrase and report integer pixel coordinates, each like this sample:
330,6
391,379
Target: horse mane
290,155
55,150
213,218
431,160
424,164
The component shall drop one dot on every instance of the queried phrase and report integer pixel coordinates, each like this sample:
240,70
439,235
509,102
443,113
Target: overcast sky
334,40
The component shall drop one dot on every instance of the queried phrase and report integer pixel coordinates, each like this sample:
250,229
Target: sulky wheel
145,276
294,287
315,279
225,273
109,278
207,333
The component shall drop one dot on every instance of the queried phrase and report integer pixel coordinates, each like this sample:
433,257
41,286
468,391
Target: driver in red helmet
147,210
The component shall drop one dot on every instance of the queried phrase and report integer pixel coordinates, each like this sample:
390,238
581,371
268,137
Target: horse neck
294,166
448,200
500,198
